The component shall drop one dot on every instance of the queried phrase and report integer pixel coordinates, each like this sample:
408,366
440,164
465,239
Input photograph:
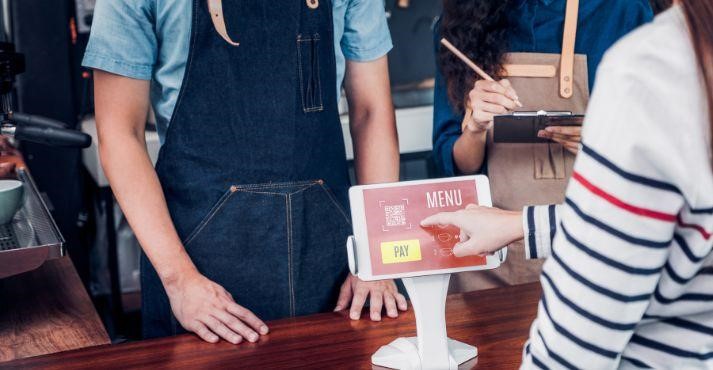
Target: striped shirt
628,281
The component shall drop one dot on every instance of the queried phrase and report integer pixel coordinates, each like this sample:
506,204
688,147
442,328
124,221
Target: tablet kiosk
389,243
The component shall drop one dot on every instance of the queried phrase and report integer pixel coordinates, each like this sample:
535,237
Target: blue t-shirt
149,40
536,26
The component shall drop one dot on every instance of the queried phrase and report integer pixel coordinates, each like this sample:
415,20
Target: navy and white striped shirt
629,278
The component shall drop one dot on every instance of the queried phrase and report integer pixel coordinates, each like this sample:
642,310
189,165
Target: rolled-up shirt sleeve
366,32
122,39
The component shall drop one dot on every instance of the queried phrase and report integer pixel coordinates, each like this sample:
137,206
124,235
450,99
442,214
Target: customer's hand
205,308
569,136
382,294
488,99
484,230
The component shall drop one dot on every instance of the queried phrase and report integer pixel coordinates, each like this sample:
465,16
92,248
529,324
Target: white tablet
389,241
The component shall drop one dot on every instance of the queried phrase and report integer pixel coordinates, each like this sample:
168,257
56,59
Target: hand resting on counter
382,294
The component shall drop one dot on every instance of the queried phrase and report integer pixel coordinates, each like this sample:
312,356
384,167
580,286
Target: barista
245,216
547,53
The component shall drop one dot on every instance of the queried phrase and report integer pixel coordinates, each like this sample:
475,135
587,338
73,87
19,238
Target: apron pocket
548,161
335,203
209,216
308,66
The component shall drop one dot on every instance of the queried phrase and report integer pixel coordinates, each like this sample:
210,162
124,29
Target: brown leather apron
528,174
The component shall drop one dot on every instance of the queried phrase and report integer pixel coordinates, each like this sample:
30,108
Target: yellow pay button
401,251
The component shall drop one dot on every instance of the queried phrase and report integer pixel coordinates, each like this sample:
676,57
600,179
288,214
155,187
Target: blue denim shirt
149,40
536,27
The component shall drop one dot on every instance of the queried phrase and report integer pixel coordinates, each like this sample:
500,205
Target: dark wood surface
47,310
497,321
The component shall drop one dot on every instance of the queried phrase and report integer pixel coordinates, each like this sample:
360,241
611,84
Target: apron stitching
261,192
288,210
277,185
299,66
211,214
334,201
305,187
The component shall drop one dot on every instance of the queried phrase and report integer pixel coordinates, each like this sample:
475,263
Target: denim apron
253,167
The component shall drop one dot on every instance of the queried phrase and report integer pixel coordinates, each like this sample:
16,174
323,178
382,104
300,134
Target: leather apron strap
215,7
568,40
566,74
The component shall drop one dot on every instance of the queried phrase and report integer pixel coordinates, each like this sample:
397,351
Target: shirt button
312,4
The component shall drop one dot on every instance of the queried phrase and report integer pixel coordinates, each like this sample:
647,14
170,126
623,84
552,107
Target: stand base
402,354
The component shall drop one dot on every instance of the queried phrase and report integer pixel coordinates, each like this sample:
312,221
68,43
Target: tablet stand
431,348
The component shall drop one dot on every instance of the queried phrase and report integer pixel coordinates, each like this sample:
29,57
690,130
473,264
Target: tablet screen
397,242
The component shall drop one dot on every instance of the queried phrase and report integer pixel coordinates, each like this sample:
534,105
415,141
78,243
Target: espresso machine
32,237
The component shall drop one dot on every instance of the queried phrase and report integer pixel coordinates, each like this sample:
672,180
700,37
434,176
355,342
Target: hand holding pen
488,97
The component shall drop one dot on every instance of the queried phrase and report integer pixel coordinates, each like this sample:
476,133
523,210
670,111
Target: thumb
466,248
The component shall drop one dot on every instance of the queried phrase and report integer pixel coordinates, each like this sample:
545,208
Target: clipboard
522,127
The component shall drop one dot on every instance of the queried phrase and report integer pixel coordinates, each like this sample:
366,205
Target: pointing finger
443,218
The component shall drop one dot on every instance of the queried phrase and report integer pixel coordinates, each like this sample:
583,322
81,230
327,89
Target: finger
510,91
401,302
499,99
572,148
463,236
565,130
217,327
203,332
566,142
570,138
483,106
234,324
248,317
357,303
442,218
471,206
467,248
345,293
376,303
491,86
390,304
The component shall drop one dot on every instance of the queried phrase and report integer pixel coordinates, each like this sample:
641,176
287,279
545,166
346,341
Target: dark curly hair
478,28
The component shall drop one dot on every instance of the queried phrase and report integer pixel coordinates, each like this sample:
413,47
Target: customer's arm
200,305
376,159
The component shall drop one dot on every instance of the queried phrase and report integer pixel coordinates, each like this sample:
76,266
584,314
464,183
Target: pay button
400,251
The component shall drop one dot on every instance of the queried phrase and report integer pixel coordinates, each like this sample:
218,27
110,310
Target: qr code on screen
395,215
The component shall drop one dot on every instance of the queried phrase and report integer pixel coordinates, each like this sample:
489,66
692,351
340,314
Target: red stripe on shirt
621,204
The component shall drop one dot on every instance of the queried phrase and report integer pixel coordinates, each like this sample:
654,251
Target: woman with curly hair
543,55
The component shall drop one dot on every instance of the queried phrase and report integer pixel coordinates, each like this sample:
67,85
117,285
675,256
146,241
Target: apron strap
215,7
567,59
530,70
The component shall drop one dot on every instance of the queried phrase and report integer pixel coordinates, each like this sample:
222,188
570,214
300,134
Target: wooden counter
497,321
46,311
